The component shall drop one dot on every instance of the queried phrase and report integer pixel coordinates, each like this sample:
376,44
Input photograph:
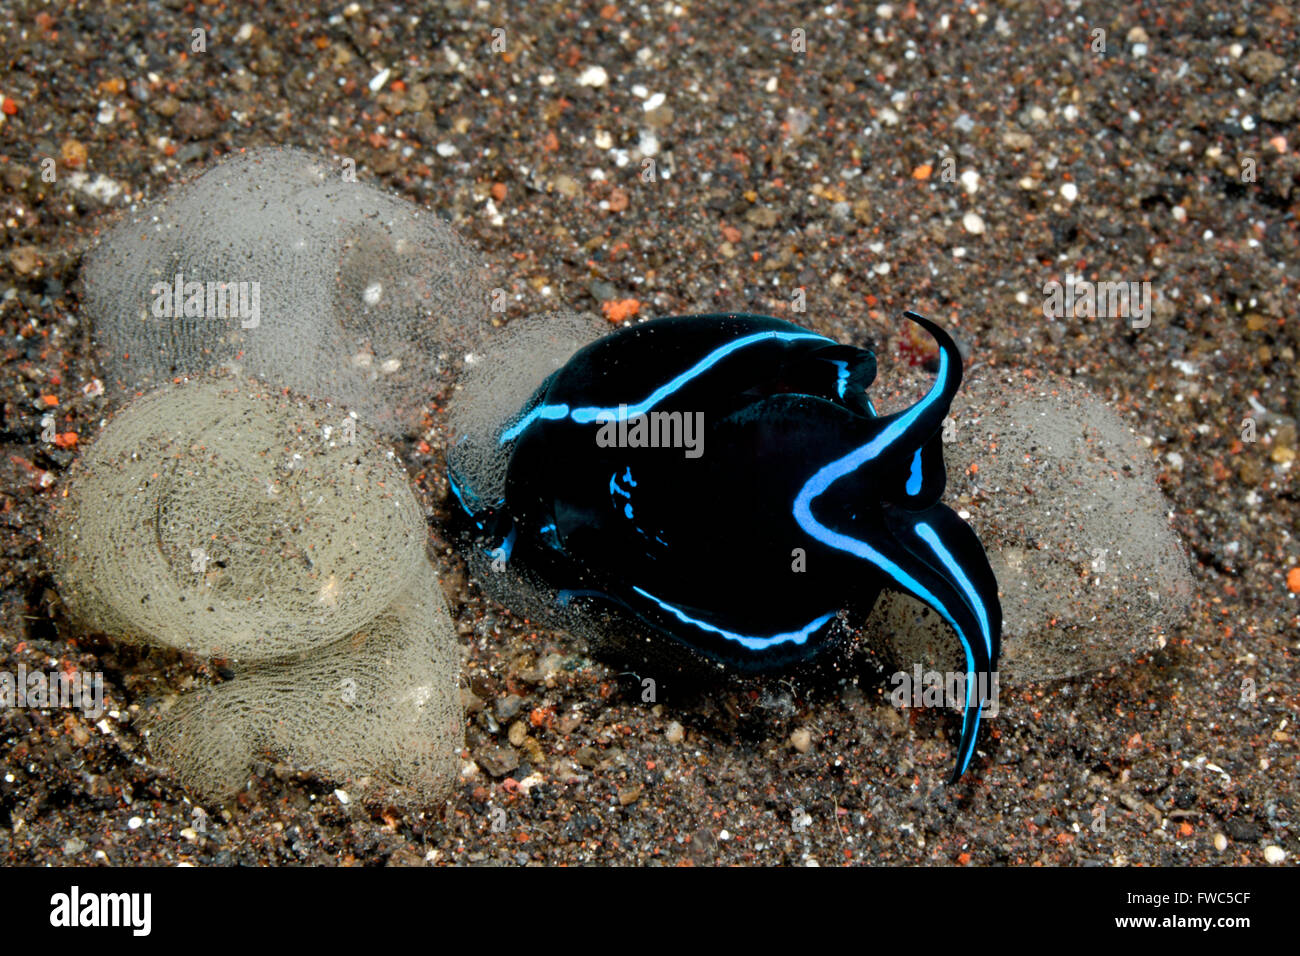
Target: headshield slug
727,480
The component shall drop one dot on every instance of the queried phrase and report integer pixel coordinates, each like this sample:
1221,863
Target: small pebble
675,734
801,740
972,223
498,761
73,153
518,731
24,259
1274,854
526,785
593,76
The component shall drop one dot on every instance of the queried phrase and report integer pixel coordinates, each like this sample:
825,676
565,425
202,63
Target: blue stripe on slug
842,379
460,496
547,412
585,416
914,479
747,641
959,575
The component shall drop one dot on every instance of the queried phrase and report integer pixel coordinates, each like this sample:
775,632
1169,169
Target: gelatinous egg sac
230,519
296,271
217,517
726,481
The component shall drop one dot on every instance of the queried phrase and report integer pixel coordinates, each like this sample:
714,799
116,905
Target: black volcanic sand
775,169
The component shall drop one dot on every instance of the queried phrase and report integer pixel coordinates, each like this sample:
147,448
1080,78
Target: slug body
726,479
